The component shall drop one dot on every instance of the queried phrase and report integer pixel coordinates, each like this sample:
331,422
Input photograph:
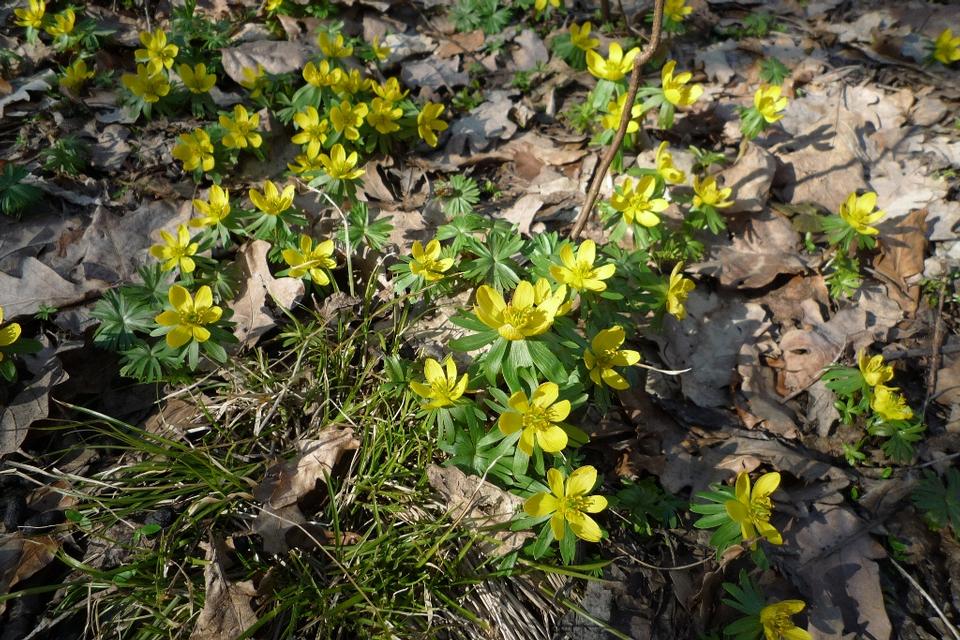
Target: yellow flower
176,251
542,292
353,82
145,85
873,370
666,168
32,16
706,192
537,417
946,49
312,260
8,334
615,67
254,80
427,262
196,78
271,201
62,23
340,166
635,204
383,116
677,291
611,120
776,622
241,129
858,212
675,88
75,75
769,103
313,130
380,52
523,317
194,150
214,210
156,52
569,503
304,162
578,271
322,75
333,48
676,10
272,5
580,37
390,90
346,119
752,509
429,122
540,5
441,389
890,405
605,353
189,316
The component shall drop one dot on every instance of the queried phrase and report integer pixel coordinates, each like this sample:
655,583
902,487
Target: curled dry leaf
28,406
226,612
250,310
275,56
21,557
901,257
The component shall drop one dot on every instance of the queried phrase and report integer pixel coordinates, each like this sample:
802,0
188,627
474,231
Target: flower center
571,503
536,418
518,317
579,274
192,318
760,509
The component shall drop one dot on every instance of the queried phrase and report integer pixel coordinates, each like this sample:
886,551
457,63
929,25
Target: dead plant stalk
594,191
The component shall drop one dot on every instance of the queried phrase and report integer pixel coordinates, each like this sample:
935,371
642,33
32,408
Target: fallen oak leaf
226,612
250,310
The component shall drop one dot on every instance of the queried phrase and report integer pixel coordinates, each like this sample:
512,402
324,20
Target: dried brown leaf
250,310
226,612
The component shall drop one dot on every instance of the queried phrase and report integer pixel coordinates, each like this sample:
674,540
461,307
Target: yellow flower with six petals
333,48
254,80
706,192
776,622
578,271
889,404
580,37
427,262
677,291
32,16
194,150
752,508
149,87
769,103
321,75
340,166
188,316
858,212
346,118
676,88
537,417
568,503
214,210
313,130
196,78
442,389
63,23
611,120
380,51
615,66
946,48
635,203
665,167
390,90
522,318
429,122
676,10
271,201
605,353
75,75
176,252
156,52
241,129
311,260
383,116
873,370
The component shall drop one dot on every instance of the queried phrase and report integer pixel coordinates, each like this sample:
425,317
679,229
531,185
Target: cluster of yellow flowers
885,401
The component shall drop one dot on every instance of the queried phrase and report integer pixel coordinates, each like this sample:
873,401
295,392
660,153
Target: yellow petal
584,527
766,484
552,440
581,481
540,504
555,482
432,371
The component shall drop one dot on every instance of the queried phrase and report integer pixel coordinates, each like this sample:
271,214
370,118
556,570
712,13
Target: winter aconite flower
611,120
677,291
313,130
665,167
858,212
429,122
706,192
676,88
537,417
636,202
196,78
442,389
213,211
321,75
32,16
889,404
383,116
241,129
380,51
580,37
271,201
540,5
946,48
63,23
333,48
75,75
568,503
605,353
522,317
311,260
873,370
752,508
578,271
769,103
615,66
353,83
346,119
189,316
427,262
254,80
776,622
176,252
156,52
149,87
340,166
390,90
8,334
676,10
194,150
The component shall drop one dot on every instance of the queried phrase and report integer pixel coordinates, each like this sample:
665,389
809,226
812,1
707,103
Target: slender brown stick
594,191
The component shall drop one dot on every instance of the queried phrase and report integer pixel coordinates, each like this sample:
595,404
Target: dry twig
625,116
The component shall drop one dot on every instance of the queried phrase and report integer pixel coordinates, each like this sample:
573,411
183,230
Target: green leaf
939,502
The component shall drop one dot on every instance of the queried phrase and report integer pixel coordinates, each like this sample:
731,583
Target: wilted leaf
28,406
901,257
40,81
226,612
275,56
250,310
21,557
